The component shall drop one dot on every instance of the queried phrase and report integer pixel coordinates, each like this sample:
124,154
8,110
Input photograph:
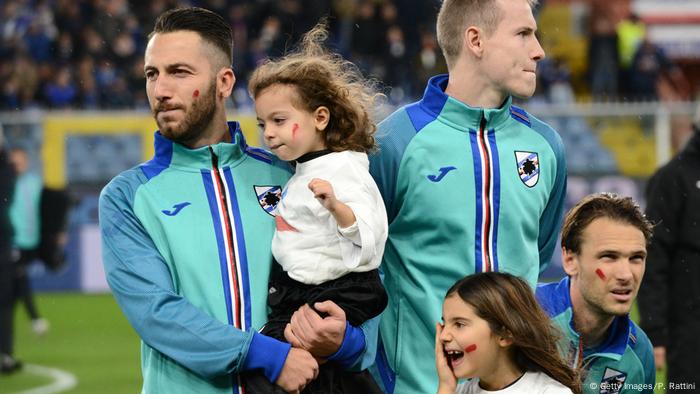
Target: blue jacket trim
478,177
351,348
240,238
268,354
496,197
520,115
386,374
214,208
429,107
162,158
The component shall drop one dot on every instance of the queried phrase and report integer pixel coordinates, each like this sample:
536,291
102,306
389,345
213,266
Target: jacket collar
173,154
615,345
457,113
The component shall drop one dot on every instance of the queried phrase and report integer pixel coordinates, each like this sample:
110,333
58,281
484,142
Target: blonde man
471,182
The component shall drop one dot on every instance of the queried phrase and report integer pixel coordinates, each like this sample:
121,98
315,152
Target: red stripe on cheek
295,128
600,273
470,348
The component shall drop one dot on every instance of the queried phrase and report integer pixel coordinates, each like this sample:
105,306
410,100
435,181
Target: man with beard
603,242
186,235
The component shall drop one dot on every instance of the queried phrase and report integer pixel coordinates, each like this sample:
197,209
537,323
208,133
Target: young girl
331,222
495,333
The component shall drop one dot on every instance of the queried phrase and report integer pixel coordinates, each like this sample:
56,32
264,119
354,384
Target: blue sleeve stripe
520,115
259,154
162,158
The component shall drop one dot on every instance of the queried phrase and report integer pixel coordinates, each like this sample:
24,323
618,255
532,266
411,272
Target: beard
195,122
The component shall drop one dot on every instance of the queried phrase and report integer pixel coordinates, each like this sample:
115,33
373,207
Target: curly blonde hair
322,78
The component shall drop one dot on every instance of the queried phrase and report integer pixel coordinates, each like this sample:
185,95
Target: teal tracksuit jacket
622,364
466,190
186,249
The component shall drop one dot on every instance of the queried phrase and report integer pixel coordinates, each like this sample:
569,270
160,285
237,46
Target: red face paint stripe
600,273
470,348
295,128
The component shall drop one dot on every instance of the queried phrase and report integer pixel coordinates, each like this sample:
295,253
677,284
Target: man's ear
569,261
473,41
225,79
321,117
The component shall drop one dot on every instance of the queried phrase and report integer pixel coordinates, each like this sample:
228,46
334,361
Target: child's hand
323,191
447,378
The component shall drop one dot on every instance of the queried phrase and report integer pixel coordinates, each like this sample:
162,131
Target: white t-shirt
308,242
530,383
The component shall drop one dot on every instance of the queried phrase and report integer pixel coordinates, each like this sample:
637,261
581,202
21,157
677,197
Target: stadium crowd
88,54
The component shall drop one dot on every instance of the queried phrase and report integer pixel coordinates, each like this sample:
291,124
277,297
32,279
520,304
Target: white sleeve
363,242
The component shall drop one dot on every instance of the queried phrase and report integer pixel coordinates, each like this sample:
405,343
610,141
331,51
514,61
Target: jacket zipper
486,193
229,238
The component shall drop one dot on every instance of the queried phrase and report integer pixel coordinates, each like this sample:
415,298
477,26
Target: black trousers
7,301
361,295
23,290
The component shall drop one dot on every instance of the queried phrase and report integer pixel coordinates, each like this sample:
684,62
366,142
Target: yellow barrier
57,128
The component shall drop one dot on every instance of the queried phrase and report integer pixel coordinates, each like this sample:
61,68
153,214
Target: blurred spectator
26,222
38,43
648,67
602,51
365,47
556,81
89,98
61,92
396,73
428,62
630,34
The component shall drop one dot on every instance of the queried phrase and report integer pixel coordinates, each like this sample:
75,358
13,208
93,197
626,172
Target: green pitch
89,338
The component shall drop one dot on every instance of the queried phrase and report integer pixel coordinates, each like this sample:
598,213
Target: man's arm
142,285
354,348
550,221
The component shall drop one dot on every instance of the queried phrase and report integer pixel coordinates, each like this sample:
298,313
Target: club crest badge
613,381
268,198
528,167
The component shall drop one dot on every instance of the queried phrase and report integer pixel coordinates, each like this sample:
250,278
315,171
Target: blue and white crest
613,381
528,167
269,197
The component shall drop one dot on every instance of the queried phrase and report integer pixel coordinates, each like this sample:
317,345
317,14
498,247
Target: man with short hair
603,242
186,236
471,182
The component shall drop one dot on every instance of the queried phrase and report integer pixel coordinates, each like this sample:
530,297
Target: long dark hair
508,305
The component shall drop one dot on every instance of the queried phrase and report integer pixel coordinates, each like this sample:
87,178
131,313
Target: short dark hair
601,205
210,26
